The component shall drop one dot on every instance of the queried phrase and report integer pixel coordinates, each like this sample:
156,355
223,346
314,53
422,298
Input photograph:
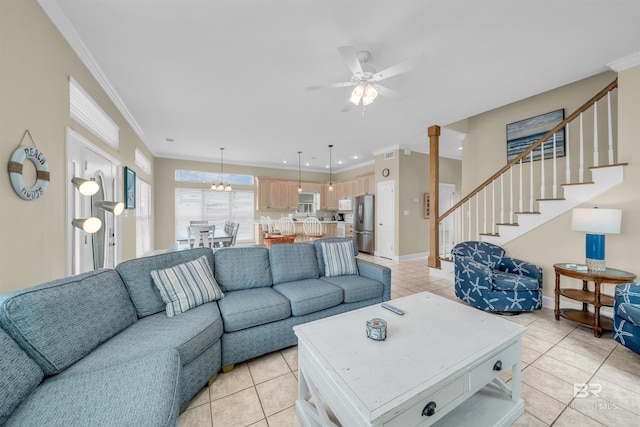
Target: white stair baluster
511,195
567,160
493,207
542,178
469,220
521,203
484,219
477,218
554,188
531,181
502,199
581,168
610,128
595,134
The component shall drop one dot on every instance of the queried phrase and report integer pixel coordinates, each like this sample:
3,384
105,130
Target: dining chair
198,222
201,235
312,228
287,226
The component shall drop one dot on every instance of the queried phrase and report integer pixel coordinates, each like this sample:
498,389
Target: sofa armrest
377,272
628,293
523,268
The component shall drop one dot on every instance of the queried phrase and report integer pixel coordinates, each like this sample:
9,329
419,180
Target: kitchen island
329,229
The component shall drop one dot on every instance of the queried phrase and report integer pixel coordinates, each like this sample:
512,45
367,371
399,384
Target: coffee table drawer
493,367
441,398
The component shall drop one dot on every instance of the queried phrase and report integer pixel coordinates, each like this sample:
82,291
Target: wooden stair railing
436,221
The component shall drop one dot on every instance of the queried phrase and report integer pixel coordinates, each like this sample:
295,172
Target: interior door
86,252
385,231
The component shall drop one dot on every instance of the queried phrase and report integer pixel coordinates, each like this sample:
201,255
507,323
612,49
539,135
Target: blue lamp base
595,252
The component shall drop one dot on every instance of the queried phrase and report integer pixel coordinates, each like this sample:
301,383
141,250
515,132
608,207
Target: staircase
525,194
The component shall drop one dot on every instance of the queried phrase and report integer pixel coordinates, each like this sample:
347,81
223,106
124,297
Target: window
87,112
143,162
143,217
211,177
215,206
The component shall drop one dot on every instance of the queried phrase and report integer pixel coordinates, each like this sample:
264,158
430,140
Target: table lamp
596,222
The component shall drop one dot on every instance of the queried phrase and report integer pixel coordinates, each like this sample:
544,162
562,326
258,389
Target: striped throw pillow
187,285
338,258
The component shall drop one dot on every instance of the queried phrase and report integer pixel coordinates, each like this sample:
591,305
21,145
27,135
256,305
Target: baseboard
413,256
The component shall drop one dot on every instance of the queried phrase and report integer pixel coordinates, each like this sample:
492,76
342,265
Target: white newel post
567,162
554,189
609,128
581,168
542,177
595,134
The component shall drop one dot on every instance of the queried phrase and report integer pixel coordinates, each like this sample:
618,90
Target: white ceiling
233,73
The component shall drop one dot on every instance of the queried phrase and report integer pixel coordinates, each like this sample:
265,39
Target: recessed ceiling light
339,162
459,148
307,164
326,167
284,161
355,157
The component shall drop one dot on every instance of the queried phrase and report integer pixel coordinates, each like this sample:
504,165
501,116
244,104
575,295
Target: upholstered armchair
488,279
626,316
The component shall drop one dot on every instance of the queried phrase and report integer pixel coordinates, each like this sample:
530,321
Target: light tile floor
555,356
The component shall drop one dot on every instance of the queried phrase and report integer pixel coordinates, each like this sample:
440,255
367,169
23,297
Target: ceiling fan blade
351,58
388,93
400,68
329,86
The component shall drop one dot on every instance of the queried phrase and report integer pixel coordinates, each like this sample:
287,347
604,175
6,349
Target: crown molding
624,63
59,19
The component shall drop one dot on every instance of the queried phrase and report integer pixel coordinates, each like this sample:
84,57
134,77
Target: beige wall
411,175
484,152
35,65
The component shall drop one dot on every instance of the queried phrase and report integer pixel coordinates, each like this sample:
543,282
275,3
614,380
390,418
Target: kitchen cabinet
277,194
365,184
331,198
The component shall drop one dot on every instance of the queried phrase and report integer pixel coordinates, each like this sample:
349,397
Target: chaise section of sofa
195,334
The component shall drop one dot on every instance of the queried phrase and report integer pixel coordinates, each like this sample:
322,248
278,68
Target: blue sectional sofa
99,348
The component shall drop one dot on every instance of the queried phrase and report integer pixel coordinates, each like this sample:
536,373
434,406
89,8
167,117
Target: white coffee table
440,352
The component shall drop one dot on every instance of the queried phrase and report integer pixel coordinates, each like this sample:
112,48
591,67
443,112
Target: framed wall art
427,205
521,135
129,188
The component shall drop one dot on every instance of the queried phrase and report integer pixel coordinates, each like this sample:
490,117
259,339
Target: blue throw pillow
338,258
187,285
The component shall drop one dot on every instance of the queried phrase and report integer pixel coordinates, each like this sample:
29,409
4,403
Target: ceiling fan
365,79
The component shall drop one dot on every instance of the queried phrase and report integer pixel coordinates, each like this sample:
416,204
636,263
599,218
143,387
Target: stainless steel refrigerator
363,222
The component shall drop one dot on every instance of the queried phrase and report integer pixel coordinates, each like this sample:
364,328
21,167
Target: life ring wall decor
16,165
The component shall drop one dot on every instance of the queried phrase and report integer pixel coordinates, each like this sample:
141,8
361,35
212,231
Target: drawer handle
498,366
429,410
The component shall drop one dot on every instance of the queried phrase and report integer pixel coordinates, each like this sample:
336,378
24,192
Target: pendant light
330,171
299,180
221,186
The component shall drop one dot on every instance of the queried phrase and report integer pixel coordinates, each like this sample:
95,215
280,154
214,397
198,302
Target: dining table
219,237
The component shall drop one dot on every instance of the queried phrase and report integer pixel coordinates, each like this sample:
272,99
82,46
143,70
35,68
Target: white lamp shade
115,208
89,225
370,92
596,220
356,94
86,187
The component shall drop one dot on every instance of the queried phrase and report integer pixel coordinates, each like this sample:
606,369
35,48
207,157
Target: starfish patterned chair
488,279
626,315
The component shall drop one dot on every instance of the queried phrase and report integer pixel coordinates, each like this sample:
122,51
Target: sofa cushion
514,282
251,307
338,258
356,288
60,322
242,268
186,285
310,295
630,312
293,261
318,245
19,376
138,392
136,274
190,334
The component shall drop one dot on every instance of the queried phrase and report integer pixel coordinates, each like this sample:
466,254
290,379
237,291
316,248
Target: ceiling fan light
366,100
355,100
356,94
370,92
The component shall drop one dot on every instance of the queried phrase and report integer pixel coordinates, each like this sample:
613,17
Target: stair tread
550,199
525,212
515,224
490,234
609,166
577,183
